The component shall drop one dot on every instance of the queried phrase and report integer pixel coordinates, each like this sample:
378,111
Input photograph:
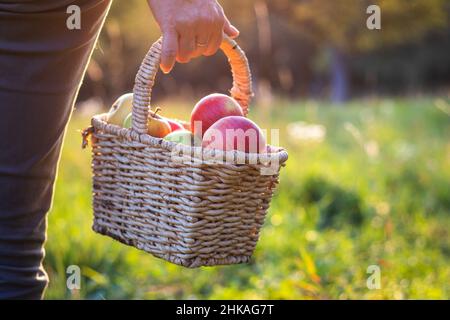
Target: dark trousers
42,63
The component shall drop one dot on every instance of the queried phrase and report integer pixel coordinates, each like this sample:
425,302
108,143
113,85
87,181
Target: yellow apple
157,127
120,109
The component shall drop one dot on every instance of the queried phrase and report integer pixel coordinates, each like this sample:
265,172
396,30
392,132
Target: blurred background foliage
297,48
366,183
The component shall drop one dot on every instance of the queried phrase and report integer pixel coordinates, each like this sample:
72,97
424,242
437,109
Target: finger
204,29
186,47
214,43
201,43
169,50
229,29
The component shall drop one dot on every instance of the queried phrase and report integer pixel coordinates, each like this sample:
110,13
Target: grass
375,191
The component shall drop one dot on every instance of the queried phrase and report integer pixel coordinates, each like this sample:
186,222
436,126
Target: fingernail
164,70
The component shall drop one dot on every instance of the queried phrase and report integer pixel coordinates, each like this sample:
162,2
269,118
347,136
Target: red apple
210,109
186,126
235,133
174,125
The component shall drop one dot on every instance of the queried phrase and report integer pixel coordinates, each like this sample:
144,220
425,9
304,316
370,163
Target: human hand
190,28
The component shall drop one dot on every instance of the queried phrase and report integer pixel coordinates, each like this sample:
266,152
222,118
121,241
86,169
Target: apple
158,128
187,126
174,125
127,121
235,133
210,109
182,136
120,109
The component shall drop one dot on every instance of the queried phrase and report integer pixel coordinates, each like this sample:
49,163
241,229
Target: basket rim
278,154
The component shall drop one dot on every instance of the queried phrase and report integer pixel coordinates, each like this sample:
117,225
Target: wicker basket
193,210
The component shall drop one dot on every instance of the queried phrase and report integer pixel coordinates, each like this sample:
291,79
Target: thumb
229,29
169,50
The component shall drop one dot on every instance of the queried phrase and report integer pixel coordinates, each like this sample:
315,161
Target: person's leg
41,66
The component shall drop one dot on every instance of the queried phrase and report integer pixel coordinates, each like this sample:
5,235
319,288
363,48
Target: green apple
120,109
183,136
127,121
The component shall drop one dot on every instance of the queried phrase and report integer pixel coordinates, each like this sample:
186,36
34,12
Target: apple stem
154,113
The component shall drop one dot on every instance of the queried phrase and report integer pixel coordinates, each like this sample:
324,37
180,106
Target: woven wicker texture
191,210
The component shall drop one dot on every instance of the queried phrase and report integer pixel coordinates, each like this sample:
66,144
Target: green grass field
374,191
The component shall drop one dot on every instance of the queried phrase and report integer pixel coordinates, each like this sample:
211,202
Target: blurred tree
128,32
339,26
295,48
264,88
343,23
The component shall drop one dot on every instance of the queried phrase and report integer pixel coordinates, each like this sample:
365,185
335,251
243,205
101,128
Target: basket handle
145,79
